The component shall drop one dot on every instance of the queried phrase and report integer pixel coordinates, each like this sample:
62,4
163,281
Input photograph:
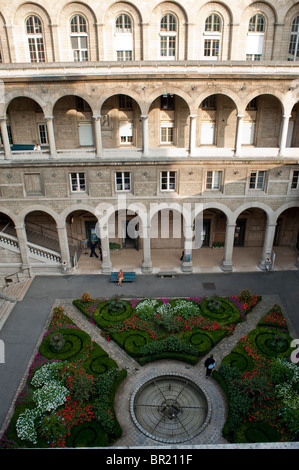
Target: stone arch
254,204
264,91
119,91
24,93
165,90
74,115
265,109
25,211
25,115
121,120
62,93
216,124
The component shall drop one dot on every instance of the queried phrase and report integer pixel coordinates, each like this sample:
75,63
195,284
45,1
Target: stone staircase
11,294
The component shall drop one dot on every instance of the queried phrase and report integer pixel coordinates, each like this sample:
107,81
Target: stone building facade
155,125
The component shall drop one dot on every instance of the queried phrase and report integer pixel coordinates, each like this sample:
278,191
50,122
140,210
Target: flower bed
142,327
262,384
59,405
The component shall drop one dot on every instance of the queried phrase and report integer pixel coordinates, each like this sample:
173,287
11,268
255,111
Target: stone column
283,134
187,266
227,262
106,262
268,244
145,135
23,247
51,136
146,266
5,139
239,130
66,263
192,138
98,136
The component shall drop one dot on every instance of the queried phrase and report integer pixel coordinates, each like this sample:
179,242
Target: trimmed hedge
78,354
255,412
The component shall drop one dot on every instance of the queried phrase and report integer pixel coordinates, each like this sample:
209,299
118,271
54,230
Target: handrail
42,228
17,275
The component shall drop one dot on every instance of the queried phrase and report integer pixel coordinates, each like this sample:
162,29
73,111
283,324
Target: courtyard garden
68,399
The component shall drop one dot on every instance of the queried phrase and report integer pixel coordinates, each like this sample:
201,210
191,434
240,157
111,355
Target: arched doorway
73,125
10,256
209,230
125,240
26,124
286,238
249,238
82,232
120,122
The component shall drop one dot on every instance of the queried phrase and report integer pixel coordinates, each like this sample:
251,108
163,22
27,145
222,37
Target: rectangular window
213,180
257,180
125,102
167,132
78,182
124,55
254,57
167,46
248,133
167,101
126,132
43,134
211,48
168,180
9,135
207,136
123,181
295,180
80,48
36,49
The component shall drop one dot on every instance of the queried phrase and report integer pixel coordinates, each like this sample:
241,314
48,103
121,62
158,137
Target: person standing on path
209,365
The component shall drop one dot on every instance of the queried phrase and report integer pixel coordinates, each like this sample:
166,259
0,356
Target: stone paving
137,375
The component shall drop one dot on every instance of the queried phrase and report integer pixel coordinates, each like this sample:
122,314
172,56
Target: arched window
294,39
255,38
257,23
212,36
168,34
35,39
123,24
79,38
123,37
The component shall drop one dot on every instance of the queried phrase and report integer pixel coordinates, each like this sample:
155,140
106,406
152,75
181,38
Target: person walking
209,365
92,250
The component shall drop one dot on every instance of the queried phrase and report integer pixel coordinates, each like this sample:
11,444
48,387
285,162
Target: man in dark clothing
92,250
209,364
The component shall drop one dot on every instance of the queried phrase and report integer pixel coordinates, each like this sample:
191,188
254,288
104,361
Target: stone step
6,308
18,289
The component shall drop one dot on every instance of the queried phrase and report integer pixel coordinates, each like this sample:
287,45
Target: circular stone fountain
170,408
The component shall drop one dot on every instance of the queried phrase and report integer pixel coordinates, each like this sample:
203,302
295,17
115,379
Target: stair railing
10,277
